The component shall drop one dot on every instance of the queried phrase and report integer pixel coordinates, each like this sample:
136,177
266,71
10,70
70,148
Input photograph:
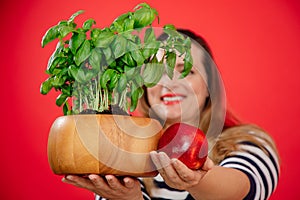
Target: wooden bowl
103,144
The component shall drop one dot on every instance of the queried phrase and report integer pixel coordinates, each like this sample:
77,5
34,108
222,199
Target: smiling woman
243,152
256,45
243,162
177,95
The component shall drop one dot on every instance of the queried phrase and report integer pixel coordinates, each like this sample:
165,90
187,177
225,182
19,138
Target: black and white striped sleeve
260,164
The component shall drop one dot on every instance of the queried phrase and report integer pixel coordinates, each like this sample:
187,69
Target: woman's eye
191,72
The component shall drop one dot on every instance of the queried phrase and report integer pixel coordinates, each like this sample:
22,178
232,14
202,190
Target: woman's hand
176,174
109,186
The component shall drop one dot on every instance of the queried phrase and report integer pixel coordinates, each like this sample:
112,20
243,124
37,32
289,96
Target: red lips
171,99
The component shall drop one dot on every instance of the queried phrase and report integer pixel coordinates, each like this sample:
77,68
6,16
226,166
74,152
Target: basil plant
96,68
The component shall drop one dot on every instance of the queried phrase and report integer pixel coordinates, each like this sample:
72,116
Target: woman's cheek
153,95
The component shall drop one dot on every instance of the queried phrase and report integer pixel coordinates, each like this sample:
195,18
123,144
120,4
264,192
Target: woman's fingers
182,170
175,173
208,164
78,181
155,159
162,162
98,181
113,182
128,182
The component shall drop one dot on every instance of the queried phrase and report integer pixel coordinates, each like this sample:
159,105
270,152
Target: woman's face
181,100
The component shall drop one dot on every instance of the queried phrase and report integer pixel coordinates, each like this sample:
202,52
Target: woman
243,163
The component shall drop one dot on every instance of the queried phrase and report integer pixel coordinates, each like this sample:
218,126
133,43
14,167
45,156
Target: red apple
186,143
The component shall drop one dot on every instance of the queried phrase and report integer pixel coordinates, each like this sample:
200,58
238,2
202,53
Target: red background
256,44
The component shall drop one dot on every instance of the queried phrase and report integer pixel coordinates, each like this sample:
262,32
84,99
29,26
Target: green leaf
118,46
144,15
188,64
128,24
63,23
138,80
51,34
71,19
150,49
58,81
171,61
138,57
170,27
187,43
128,59
46,86
87,25
120,20
116,27
152,73
135,52
132,46
61,99
122,83
179,47
136,93
54,62
83,75
104,39
58,57
65,30
66,109
130,36
95,59
82,53
149,35
89,75
105,77
80,76
95,34
67,89
113,81
108,55
173,33
76,40
130,71
73,70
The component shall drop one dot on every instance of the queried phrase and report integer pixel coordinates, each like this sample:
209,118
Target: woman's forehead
198,54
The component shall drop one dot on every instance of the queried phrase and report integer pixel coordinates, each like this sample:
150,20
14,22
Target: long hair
215,105
233,129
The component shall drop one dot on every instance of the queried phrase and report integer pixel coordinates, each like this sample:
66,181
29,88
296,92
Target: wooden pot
103,144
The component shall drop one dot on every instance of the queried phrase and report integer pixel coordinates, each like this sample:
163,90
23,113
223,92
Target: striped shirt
260,165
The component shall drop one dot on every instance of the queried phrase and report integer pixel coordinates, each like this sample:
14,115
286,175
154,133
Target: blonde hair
233,132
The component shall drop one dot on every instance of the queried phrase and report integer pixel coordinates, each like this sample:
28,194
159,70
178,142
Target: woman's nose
166,80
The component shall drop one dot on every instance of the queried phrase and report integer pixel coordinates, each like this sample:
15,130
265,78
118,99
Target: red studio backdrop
256,44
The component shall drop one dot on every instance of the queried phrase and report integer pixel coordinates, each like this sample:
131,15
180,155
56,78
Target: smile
170,99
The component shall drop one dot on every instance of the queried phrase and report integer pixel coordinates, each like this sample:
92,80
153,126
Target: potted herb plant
100,74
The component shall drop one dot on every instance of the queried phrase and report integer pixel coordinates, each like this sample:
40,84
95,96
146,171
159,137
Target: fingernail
69,177
108,178
174,161
162,155
92,177
126,180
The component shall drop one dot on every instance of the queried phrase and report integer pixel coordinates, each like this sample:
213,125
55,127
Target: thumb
209,164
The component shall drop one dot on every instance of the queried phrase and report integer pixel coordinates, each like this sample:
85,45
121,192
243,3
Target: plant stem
96,104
